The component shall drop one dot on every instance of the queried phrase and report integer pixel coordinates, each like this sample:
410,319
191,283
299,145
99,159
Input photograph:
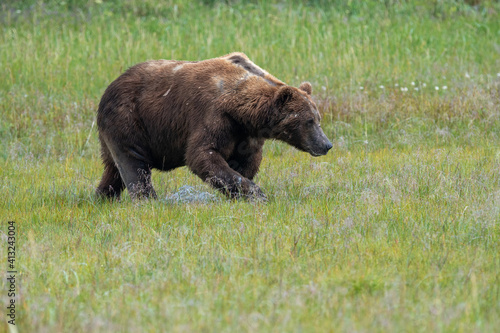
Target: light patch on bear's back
157,64
219,83
241,60
178,67
243,78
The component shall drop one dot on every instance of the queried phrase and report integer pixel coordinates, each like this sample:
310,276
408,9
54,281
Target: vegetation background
396,229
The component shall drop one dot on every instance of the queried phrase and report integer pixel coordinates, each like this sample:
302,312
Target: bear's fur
211,115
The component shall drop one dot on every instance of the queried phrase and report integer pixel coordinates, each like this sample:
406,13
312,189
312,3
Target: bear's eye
310,121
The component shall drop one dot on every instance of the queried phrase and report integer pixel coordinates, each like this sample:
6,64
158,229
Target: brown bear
212,115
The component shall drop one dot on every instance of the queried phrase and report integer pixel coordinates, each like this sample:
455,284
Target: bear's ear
306,86
283,96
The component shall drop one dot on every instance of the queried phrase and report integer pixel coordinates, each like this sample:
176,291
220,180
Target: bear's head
298,120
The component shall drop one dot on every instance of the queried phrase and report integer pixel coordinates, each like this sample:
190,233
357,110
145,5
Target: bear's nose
328,146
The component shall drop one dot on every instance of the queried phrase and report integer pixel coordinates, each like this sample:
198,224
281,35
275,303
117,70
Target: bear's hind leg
137,178
134,172
136,175
111,184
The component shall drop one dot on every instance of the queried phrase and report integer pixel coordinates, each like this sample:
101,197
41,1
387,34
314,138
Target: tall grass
396,229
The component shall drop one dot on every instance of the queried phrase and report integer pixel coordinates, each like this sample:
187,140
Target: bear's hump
241,60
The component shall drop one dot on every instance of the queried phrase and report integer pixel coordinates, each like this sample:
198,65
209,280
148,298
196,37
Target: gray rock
189,194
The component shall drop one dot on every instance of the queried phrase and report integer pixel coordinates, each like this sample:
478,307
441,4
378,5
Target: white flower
467,75
424,85
445,87
361,88
498,74
437,88
381,87
416,88
396,85
412,83
404,89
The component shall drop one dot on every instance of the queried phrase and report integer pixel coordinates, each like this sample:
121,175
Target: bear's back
226,74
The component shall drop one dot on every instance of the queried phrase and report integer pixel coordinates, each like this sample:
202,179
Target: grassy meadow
396,229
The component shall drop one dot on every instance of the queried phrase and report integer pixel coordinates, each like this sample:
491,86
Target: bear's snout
323,150
320,145
328,146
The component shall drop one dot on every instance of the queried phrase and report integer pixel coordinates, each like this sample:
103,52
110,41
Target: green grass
396,229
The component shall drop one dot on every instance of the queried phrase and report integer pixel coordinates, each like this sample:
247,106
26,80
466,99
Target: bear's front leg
246,157
211,167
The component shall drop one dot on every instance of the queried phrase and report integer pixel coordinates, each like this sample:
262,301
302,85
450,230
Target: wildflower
416,88
396,85
437,88
404,89
445,87
361,88
498,74
412,83
424,85
381,87
467,75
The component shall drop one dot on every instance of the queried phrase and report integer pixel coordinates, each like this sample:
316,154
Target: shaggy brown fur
211,115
